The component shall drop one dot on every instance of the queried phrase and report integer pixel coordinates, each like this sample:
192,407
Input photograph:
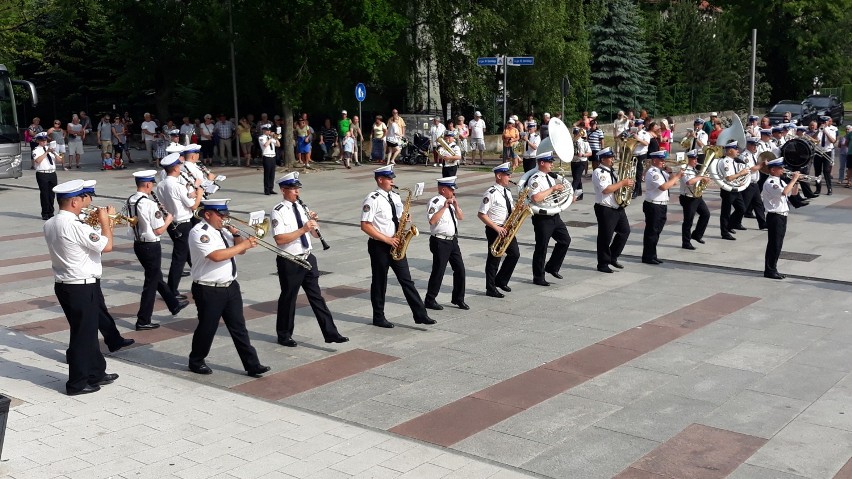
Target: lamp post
233,62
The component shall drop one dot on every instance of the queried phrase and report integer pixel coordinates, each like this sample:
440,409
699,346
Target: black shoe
256,373
829,192
289,342
541,282
616,264
741,228
433,305
184,274
657,260
555,274
495,294
804,203
125,342
86,390
728,237
181,304
699,240
107,379
732,231
461,304
383,323
426,320
604,269
774,275
748,216
505,287
337,339
812,196
146,327
203,369
650,261
688,246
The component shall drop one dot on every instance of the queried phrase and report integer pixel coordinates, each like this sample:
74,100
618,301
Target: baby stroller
415,152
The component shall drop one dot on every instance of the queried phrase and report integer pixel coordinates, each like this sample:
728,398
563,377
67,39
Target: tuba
626,169
406,231
513,223
561,142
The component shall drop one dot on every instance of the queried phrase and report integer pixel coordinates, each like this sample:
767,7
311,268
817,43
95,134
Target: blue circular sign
360,92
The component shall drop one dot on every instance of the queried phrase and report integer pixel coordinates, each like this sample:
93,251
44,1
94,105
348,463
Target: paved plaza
696,368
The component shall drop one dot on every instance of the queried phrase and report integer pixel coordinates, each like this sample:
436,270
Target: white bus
10,137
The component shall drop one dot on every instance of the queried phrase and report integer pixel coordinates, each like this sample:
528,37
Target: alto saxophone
406,231
513,224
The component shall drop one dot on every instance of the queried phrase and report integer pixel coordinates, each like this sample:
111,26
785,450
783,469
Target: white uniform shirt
148,215
779,143
435,132
269,149
477,129
685,188
602,178
494,204
75,247
700,136
534,141
48,164
203,240
726,167
540,182
832,132
750,160
456,152
193,170
582,147
764,146
654,178
445,225
175,198
774,199
376,209
640,148
284,221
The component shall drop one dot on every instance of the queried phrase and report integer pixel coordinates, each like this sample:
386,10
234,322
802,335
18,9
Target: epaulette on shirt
204,227
374,195
435,200
280,205
492,190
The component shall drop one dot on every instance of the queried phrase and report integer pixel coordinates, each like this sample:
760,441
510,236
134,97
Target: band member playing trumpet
774,196
656,204
380,215
444,213
292,226
532,141
751,195
450,159
213,246
268,144
612,218
542,185
699,139
826,138
150,224
43,158
692,203
496,206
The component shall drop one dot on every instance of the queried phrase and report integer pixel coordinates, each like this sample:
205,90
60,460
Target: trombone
260,231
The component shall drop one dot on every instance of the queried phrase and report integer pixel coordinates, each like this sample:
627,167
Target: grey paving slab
826,354
674,358
833,409
435,391
342,394
623,385
789,335
753,356
805,449
711,383
798,381
501,447
755,414
377,414
747,471
657,416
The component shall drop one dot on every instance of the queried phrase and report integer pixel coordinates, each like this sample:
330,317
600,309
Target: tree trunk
289,144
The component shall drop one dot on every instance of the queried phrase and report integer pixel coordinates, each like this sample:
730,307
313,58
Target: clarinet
175,232
325,245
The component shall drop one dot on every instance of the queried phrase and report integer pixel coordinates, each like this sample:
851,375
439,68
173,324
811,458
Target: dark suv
826,105
802,114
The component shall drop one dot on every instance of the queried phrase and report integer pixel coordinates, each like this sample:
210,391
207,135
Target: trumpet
92,219
687,140
260,231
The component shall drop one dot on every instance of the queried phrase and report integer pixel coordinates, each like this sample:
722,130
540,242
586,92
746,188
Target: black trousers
691,206
226,303
655,220
727,220
529,163
106,323
822,167
753,202
46,182
447,171
495,273
86,364
443,252
269,175
547,227
640,175
380,261
611,221
180,254
578,169
777,225
804,186
150,255
291,277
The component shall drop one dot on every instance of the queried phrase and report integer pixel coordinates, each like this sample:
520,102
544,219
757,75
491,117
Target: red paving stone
631,473
699,452
845,472
312,375
462,418
844,203
30,304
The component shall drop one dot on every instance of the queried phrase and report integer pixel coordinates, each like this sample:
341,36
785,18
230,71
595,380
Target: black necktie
50,158
302,238
393,212
549,183
455,225
508,202
823,139
233,262
612,175
694,140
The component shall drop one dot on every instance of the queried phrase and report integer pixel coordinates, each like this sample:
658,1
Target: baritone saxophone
406,230
513,224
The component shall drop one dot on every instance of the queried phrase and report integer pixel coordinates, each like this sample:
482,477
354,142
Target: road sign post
505,61
360,95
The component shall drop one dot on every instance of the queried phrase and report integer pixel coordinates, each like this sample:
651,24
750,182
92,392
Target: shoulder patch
432,210
280,205
776,186
204,239
274,223
535,184
366,208
158,214
485,200
94,237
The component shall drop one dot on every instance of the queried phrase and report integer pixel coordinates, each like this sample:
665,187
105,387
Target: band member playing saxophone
444,213
494,210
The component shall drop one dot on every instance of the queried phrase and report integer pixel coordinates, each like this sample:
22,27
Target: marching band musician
494,210
174,139
774,196
443,215
753,128
380,221
44,159
292,226
75,254
542,185
656,204
580,162
150,224
612,218
532,140
692,204
751,195
700,138
826,138
450,159
728,222
191,155
435,131
213,246
180,200
268,144
643,139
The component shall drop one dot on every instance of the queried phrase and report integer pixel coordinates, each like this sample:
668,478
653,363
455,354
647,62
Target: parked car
826,105
799,112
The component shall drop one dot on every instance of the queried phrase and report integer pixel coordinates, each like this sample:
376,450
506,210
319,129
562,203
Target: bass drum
798,153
